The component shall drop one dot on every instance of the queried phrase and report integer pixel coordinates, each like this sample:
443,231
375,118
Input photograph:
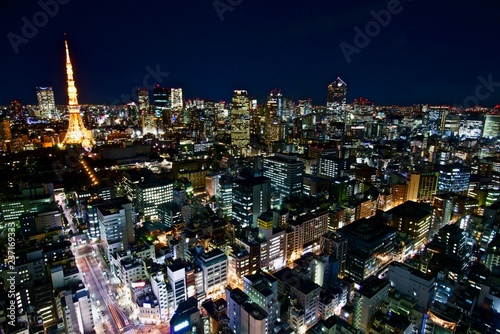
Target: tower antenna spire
77,133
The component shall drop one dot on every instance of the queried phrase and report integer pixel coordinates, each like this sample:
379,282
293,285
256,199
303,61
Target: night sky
430,52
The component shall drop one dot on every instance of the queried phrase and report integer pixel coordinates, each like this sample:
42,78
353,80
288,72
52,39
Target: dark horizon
419,56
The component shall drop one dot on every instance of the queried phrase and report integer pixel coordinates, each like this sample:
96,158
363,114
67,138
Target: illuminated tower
336,99
77,133
176,98
46,102
240,120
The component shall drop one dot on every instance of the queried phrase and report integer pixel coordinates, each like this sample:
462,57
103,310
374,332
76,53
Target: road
113,318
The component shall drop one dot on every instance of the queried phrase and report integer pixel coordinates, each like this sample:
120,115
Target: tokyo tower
77,133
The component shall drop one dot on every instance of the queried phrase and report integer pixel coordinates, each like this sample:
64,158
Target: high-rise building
151,193
303,310
422,187
214,270
245,316
330,165
413,283
77,134
414,219
286,173
251,197
143,100
160,100
5,133
372,293
273,113
240,120
454,178
45,96
262,289
337,99
176,101
493,254
491,126
176,273
370,242
116,223
272,244
76,306
336,246
224,196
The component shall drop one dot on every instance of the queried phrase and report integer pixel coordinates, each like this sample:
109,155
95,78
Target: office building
370,242
160,100
370,296
214,270
245,316
336,246
304,231
453,178
337,99
116,223
143,100
262,289
187,318
413,219
491,126
151,193
45,96
493,254
76,308
240,121
251,197
176,274
176,101
303,309
330,165
286,173
413,283
422,187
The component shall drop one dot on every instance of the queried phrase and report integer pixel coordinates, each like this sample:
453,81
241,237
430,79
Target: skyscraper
273,113
45,96
160,100
143,99
176,98
337,99
240,120
454,178
77,133
251,197
422,187
286,173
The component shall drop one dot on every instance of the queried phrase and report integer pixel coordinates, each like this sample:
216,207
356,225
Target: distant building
286,173
45,96
240,121
176,101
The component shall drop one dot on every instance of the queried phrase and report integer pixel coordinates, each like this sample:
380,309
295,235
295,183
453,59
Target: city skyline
392,64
